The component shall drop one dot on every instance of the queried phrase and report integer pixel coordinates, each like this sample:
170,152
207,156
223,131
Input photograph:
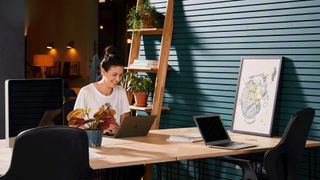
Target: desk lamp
44,61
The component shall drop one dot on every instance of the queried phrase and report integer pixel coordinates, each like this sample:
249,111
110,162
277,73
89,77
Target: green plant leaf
134,15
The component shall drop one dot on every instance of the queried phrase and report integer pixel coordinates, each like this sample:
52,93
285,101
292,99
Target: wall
209,39
60,22
11,47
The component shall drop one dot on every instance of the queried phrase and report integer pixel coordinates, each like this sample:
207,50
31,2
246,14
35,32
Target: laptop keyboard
232,143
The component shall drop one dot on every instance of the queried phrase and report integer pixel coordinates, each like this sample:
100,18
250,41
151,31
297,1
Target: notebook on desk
135,126
214,134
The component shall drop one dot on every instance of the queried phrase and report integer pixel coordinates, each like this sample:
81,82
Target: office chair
69,93
51,153
67,107
51,117
283,161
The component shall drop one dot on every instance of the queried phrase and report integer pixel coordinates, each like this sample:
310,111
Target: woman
106,90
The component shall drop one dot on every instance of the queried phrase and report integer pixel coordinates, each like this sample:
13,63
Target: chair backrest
69,93
67,107
283,161
51,153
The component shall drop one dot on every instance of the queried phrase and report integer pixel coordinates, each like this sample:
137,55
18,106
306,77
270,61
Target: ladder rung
146,109
147,31
144,66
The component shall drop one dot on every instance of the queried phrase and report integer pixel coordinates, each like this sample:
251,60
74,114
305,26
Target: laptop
134,126
214,134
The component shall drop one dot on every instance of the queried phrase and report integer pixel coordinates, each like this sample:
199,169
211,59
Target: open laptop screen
211,128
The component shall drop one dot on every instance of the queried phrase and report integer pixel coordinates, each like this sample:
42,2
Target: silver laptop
214,134
135,126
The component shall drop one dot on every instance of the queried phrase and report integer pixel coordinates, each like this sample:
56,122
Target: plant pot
141,98
130,97
94,137
147,21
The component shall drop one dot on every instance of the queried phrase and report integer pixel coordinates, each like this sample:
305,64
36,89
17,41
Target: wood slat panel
210,37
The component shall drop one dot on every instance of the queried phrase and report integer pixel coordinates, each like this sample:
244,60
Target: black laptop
134,126
214,134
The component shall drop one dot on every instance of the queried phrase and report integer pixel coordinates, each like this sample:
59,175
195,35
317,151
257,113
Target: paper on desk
187,137
94,155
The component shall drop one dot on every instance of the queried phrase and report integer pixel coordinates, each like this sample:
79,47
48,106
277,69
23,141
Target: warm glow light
72,54
43,60
101,27
129,41
53,53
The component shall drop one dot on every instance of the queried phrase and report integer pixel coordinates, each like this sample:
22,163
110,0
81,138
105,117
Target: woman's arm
111,130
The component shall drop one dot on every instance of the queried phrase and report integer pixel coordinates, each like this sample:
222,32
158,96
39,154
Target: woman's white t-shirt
90,97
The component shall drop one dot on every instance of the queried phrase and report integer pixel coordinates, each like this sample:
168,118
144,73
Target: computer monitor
30,103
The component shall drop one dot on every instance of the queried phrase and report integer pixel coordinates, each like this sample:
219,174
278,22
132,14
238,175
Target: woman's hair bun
111,58
110,51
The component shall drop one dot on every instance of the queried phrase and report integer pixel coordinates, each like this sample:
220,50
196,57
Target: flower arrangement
103,118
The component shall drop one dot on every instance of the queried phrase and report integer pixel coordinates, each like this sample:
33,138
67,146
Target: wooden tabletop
155,148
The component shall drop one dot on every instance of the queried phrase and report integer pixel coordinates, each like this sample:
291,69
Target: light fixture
70,45
44,61
50,45
129,40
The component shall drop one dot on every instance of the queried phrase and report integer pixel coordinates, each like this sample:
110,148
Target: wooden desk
154,148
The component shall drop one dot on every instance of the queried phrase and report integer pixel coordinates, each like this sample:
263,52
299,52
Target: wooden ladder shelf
160,68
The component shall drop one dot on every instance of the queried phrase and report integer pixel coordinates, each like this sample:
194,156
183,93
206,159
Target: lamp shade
43,60
70,45
50,45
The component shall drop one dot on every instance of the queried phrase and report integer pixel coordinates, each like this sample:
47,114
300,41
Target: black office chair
283,161
67,107
51,153
69,93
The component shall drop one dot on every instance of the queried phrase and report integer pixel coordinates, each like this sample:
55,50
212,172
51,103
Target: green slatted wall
209,38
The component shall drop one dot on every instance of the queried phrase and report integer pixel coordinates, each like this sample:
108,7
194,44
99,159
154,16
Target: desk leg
148,172
202,163
159,171
312,160
315,162
188,166
178,169
196,161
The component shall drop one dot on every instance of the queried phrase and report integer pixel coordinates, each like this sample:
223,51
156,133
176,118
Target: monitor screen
31,103
211,128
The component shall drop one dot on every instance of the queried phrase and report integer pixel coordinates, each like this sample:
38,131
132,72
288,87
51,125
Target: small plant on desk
103,118
95,126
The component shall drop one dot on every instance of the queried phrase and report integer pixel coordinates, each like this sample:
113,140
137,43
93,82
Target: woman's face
113,76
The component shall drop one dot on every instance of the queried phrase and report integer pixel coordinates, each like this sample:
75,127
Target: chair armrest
247,170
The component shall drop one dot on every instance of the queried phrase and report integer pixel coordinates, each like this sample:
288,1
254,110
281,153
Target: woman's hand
111,130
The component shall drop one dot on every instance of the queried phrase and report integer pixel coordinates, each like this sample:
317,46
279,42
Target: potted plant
141,86
125,83
94,127
144,16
